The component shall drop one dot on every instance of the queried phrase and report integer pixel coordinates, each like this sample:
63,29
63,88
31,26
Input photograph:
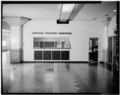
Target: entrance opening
93,51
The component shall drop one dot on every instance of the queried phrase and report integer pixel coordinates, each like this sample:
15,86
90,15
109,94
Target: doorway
93,51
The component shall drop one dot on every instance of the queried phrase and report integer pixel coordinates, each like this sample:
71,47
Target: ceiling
52,11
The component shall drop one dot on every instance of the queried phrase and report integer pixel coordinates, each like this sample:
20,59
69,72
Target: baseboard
55,62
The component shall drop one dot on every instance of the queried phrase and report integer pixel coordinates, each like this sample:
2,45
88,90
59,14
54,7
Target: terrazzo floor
57,78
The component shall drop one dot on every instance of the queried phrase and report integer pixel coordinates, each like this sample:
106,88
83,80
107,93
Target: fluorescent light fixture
67,7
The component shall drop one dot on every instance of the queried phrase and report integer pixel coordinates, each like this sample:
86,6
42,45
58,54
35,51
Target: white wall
81,31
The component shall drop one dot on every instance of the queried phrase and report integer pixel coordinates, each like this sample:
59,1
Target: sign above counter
54,33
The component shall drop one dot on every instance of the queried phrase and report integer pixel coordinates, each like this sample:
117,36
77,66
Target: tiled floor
57,77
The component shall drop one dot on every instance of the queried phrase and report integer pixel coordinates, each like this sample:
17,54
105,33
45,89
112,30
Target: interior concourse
60,47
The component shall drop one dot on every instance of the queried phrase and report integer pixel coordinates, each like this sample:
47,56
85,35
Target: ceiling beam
69,11
75,11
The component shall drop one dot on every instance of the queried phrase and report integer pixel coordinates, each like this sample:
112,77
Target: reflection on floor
57,77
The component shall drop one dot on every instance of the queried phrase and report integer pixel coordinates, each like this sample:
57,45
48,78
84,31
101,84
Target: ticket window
57,48
51,43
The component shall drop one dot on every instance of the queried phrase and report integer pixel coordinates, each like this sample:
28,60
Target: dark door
93,50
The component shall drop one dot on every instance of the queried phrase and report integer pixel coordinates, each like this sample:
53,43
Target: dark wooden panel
46,55
55,55
110,50
64,55
37,55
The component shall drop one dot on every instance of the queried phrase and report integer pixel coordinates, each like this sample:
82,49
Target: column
16,25
105,38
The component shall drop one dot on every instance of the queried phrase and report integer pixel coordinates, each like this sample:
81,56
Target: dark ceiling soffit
49,2
62,22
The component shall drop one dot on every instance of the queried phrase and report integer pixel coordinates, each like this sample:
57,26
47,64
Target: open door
93,51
